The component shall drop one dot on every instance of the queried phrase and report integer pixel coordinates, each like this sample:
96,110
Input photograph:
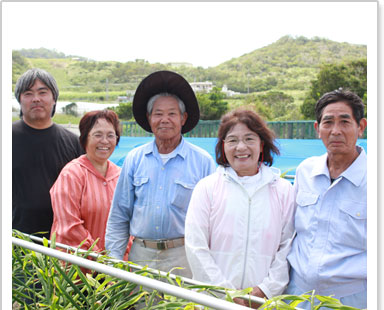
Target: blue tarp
292,151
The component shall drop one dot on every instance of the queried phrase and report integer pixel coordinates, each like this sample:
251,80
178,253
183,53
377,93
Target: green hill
287,65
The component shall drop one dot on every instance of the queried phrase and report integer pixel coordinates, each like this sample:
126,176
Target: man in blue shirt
156,182
329,253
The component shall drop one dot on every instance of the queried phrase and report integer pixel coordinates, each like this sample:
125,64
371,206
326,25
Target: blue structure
292,151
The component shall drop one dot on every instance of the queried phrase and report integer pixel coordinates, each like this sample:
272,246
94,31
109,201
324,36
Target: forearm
116,237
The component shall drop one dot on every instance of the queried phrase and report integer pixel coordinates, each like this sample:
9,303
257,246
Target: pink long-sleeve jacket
237,240
81,200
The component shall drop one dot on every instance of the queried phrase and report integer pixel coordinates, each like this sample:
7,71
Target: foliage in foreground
44,282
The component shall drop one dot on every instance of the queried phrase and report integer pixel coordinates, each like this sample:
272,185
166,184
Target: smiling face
36,105
101,141
244,155
166,119
339,130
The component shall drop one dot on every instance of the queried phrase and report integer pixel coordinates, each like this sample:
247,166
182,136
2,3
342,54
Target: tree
124,110
41,53
351,76
254,103
278,102
274,105
212,106
70,109
19,65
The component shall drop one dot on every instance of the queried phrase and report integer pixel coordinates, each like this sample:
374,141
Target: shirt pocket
349,228
183,194
306,206
141,191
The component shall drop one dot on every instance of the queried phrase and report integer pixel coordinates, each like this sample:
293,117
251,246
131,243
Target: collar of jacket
113,171
151,148
268,175
355,173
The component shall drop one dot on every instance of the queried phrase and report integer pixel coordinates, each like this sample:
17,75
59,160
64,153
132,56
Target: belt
160,244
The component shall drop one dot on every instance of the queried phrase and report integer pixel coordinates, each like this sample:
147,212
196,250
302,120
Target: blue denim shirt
151,199
329,253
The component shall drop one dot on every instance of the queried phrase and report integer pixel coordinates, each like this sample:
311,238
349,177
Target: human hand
258,292
255,292
241,302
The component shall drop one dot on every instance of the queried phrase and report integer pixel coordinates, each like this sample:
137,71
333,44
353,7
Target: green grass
59,119
234,103
57,67
66,119
98,97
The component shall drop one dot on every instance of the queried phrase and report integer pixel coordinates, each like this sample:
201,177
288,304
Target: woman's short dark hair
89,120
341,95
256,124
26,81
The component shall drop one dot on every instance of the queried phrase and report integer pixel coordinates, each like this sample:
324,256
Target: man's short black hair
340,95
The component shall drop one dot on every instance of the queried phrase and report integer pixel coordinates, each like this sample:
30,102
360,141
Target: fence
204,129
208,129
294,129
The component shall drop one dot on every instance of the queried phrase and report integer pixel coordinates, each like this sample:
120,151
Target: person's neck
101,166
43,124
338,163
168,145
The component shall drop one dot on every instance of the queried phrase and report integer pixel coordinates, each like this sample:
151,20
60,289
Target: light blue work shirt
329,253
151,198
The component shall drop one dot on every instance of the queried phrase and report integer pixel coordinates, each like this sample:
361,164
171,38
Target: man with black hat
156,182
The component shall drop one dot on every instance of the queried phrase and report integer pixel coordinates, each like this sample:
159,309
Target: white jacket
237,241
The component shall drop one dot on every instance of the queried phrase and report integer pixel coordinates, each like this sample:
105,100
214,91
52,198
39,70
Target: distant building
205,87
122,99
127,98
228,92
130,94
180,64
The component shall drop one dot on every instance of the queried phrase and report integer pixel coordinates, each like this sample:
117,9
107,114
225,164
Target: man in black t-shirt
40,149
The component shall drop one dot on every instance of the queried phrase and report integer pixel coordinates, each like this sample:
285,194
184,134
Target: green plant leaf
69,281
231,294
69,297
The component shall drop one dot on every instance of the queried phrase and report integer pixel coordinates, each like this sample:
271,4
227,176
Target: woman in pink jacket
239,225
82,194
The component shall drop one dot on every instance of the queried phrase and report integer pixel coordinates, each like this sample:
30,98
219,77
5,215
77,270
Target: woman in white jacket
239,225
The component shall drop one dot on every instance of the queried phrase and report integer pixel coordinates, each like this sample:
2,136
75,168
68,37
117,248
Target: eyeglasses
99,136
248,140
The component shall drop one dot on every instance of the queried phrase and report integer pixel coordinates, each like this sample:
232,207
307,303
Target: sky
200,33
203,34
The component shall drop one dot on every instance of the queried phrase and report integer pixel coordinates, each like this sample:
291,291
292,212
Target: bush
48,283
212,106
70,109
91,97
124,111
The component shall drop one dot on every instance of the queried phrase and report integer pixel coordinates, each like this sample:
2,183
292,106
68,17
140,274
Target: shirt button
105,183
160,187
157,207
157,227
162,168
358,213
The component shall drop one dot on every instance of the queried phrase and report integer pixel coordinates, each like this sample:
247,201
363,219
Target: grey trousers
163,260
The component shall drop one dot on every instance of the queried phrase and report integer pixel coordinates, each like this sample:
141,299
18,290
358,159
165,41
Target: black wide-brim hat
165,82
